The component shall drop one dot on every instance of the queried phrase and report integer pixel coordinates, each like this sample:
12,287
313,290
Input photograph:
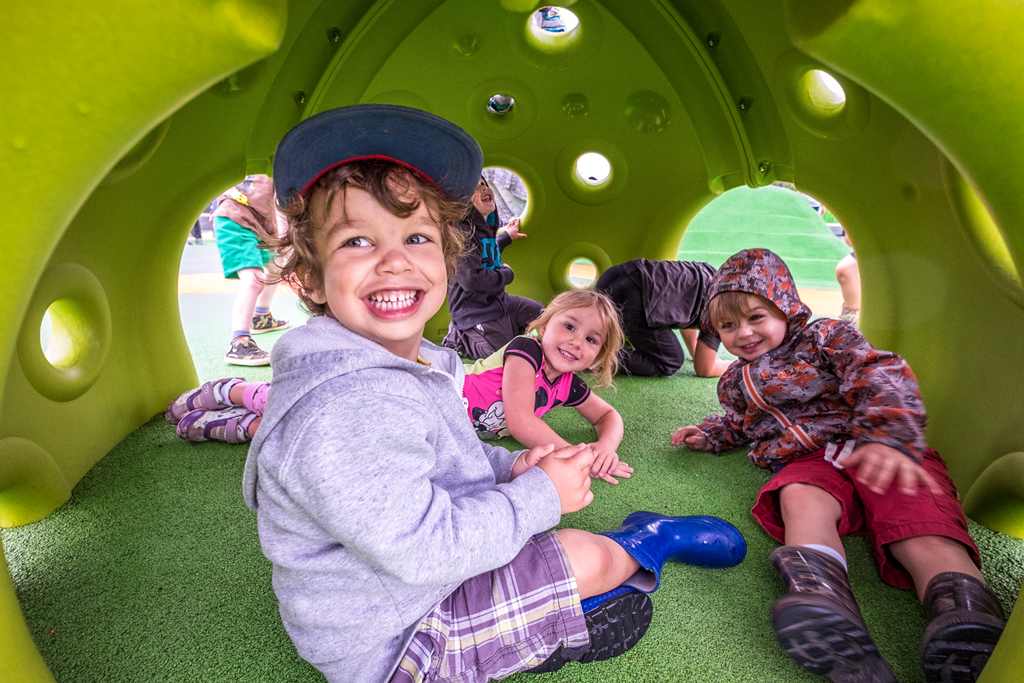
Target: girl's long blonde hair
607,361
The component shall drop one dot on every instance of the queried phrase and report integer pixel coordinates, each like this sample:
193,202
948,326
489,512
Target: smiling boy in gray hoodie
403,546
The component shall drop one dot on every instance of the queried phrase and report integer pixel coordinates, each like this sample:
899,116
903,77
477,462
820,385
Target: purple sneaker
203,398
215,425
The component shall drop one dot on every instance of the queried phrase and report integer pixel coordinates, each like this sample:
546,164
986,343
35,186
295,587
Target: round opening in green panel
593,169
69,339
511,195
825,104
582,273
554,21
554,28
65,336
824,91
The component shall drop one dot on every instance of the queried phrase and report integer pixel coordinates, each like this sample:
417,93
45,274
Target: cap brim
434,147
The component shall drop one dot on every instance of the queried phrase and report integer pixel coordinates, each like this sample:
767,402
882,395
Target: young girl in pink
505,393
508,392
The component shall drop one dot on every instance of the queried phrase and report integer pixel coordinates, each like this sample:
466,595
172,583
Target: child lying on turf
841,424
506,393
403,547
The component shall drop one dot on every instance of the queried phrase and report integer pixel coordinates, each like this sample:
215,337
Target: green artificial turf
152,571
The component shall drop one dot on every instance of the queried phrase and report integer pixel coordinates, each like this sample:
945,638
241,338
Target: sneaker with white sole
244,351
210,396
215,425
266,322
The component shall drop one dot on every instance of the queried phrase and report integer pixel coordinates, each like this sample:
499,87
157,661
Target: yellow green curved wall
120,120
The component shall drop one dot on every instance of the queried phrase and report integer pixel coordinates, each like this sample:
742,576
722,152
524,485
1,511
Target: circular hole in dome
554,22
64,335
824,91
582,273
500,104
511,195
593,169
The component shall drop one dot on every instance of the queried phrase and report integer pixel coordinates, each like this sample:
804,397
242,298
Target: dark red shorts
885,518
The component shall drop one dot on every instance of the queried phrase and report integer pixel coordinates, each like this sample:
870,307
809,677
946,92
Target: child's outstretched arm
692,437
517,394
608,424
706,362
877,466
517,390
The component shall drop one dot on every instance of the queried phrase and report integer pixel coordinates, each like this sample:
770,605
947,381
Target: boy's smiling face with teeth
384,276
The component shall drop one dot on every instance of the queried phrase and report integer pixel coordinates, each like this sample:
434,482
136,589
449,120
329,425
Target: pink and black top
482,389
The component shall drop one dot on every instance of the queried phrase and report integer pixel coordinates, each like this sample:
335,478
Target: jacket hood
761,272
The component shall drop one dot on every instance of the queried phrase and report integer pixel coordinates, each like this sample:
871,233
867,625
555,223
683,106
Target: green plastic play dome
120,120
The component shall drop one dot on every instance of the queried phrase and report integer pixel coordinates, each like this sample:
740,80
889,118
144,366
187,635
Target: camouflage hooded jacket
823,384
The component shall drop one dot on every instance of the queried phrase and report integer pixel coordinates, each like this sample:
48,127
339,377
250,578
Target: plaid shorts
495,624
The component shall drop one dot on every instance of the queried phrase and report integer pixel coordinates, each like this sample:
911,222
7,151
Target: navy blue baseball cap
433,147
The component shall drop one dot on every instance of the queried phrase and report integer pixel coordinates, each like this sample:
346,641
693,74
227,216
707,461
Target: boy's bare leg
599,563
269,288
926,556
818,622
266,296
810,515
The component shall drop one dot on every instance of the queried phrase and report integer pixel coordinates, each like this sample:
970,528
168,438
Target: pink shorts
885,518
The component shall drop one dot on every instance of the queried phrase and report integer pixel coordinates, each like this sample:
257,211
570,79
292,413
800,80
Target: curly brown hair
398,189
606,363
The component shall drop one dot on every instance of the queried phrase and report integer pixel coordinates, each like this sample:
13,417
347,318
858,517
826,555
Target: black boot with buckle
818,622
965,622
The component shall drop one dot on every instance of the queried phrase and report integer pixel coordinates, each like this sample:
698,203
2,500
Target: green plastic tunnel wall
119,120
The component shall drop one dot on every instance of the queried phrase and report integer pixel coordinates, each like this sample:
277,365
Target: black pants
486,338
656,351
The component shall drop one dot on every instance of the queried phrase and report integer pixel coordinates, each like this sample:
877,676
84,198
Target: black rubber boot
965,622
818,622
615,626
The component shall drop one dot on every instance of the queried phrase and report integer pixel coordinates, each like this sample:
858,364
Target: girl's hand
569,471
692,437
607,465
877,466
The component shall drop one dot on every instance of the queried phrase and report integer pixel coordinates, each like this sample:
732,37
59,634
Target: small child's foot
966,622
266,322
615,624
827,640
244,351
228,425
850,315
211,396
818,622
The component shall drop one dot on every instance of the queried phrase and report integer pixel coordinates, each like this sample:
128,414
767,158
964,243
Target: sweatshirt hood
761,272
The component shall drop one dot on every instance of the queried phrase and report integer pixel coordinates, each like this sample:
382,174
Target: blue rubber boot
654,539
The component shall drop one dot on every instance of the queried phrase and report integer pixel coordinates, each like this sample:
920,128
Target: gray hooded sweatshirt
375,499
